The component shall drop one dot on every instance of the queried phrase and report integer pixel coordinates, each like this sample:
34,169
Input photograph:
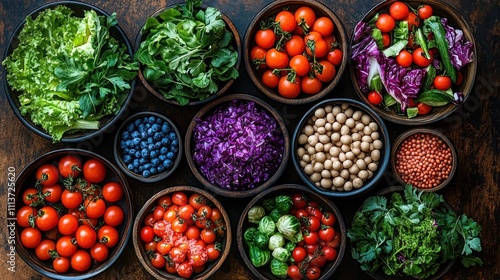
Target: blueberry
127,158
125,151
136,163
142,127
165,127
153,170
123,144
151,147
147,166
159,121
172,135
156,127
130,143
135,134
137,122
155,162
141,168
175,143
146,173
158,145
137,154
144,135
163,151
136,170
157,136
153,154
165,141
144,153
136,141
125,135
130,127
174,149
132,152
150,132
162,157
150,140
148,125
152,119
143,144
170,155
145,120
168,164
143,161
160,168
130,166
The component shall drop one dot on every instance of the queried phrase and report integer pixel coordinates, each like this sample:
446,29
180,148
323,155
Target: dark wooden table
474,130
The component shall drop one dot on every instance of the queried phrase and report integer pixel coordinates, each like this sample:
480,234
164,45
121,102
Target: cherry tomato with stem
42,251
30,196
312,223
163,247
300,64
205,212
66,246
419,58
52,193
269,79
326,233
25,216
47,174
276,59
179,225
208,235
213,251
301,213
293,272
413,20
311,237
326,71
305,15
197,200
108,236
299,201
289,89
328,218
157,260
320,48
313,273
47,218
70,166
258,57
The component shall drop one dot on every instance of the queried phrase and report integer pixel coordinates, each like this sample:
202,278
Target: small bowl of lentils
424,158
148,147
340,148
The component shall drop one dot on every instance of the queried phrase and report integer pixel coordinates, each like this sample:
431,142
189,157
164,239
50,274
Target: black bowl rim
130,209
341,68
186,188
229,193
38,129
295,187
416,121
224,85
378,174
117,151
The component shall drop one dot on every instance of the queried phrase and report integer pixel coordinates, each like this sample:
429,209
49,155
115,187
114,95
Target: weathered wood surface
474,130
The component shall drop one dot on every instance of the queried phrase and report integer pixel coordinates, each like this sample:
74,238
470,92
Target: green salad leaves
187,52
412,235
69,70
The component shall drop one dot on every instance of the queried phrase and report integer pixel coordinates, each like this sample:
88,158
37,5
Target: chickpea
315,177
330,118
334,151
361,155
337,165
366,138
356,137
373,126
320,157
354,169
357,115
365,146
370,174
361,164
375,155
308,169
336,110
344,106
359,126
326,174
346,139
350,122
363,175
347,163
344,173
348,186
302,139
328,108
357,183
311,150
367,130
301,152
342,157
318,166
312,140
341,118
328,164
308,130
320,122
372,167
321,130
319,147
365,119
302,163
334,173
368,160
313,119
377,144
336,126
324,139
319,113
349,112
375,135
327,147
355,151
326,183
338,182
317,184
349,155
345,130
353,176
335,137
356,144
306,158
328,126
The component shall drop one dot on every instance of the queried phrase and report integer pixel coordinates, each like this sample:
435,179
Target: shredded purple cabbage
460,49
239,146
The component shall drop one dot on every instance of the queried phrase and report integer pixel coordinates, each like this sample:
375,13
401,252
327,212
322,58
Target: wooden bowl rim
117,151
109,121
403,136
343,39
385,153
212,105
298,189
115,252
225,85
465,88
139,249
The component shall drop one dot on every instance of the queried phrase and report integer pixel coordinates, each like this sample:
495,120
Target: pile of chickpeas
339,148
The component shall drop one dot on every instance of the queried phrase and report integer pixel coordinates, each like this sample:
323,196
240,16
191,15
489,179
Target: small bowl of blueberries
148,147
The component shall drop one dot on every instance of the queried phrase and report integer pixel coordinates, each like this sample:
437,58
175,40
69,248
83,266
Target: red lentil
423,160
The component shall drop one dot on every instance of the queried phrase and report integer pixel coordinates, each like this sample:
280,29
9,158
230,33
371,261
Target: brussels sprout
284,203
275,241
290,246
279,268
260,239
249,234
275,215
255,214
258,256
281,254
268,204
289,226
267,226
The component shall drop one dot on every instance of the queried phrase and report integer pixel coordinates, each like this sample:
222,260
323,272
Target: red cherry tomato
265,38
42,251
300,64
286,21
423,109
442,82
413,20
99,252
147,234
289,89
47,174
269,79
31,237
276,59
399,10
386,39
385,23
94,208
25,214
68,224
258,57
299,254
327,72
66,246
425,11
323,26
295,46
326,233
419,58
47,218
81,261
375,98
52,193
313,273
335,57
70,166
61,264
404,58
114,215
94,171
108,236
305,15
112,192
85,236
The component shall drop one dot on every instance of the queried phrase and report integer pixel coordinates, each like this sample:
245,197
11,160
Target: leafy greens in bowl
188,54
411,234
69,71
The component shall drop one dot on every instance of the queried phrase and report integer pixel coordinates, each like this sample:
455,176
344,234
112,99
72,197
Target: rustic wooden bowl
211,267
210,108
264,272
455,20
404,136
384,153
27,180
387,192
223,87
106,123
118,151
271,10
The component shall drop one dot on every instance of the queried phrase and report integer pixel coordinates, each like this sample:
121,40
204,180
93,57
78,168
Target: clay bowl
27,180
223,86
455,20
270,11
326,184
211,266
208,110
264,272
106,123
168,162
453,162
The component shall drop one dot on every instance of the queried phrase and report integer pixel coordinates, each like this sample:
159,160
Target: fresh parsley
412,234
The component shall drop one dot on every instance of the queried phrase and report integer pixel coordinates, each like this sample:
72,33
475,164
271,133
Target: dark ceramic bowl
118,150
206,111
222,87
271,10
106,123
384,151
455,20
264,272
211,267
27,180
